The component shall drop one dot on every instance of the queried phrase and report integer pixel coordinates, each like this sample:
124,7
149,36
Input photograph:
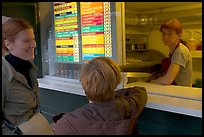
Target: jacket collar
12,73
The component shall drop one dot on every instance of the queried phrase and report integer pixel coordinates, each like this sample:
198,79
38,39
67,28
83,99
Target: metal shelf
136,50
196,54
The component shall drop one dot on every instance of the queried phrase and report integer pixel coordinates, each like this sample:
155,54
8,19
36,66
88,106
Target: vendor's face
23,45
170,37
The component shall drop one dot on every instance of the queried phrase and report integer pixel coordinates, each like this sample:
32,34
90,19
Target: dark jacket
107,118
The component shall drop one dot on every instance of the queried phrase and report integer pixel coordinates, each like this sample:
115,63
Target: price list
95,30
66,31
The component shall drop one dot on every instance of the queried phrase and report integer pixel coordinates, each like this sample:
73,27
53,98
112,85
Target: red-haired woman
178,67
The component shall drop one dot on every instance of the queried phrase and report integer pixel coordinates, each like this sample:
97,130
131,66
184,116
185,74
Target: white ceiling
139,6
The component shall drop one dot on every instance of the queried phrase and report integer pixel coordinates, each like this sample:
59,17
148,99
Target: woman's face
23,45
170,37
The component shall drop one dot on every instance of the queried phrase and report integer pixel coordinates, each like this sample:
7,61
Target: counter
176,99
61,84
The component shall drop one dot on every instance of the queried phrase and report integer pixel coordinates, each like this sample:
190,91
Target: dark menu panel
66,31
95,30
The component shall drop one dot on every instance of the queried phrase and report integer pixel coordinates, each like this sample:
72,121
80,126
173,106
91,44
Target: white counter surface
171,90
176,99
62,85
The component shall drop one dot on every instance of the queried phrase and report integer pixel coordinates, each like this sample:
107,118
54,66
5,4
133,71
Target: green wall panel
53,102
157,122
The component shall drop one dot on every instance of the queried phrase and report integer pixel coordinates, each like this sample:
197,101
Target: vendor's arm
170,75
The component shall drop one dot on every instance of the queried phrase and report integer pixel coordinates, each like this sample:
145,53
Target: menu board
66,31
95,30
84,35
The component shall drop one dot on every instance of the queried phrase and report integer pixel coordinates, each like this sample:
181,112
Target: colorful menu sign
66,31
95,30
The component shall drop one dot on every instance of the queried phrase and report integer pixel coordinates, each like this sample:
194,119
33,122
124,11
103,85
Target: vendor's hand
154,75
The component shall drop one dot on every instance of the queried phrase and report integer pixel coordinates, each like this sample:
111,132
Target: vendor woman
178,66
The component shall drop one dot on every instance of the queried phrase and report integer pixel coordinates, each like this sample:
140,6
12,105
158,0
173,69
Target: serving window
79,31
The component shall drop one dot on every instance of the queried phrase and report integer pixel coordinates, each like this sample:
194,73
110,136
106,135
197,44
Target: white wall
155,42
